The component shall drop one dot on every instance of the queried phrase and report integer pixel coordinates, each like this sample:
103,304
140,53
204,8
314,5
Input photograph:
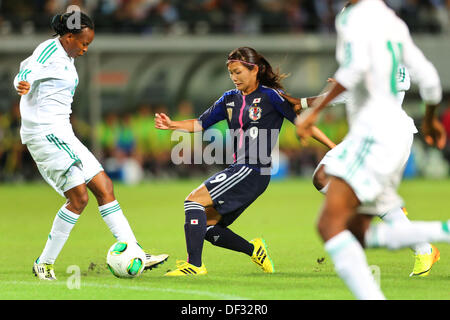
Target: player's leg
425,253
233,191
194,231
67,216
102,188
343,247
400,235
111,212
399,215
195,223
223,237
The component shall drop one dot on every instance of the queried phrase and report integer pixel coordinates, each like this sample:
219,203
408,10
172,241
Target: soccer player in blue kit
255,111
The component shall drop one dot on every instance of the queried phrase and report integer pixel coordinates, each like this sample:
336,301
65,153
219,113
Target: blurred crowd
212,16
131,149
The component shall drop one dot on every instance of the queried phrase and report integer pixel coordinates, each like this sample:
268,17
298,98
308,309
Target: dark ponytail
250,58
67,23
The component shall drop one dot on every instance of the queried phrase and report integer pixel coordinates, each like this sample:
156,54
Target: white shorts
373,166
326,158
56,153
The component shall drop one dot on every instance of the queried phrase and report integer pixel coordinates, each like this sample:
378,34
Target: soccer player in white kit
426,254
364,176
47,81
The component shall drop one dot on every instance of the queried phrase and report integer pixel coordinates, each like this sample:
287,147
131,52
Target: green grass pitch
284,216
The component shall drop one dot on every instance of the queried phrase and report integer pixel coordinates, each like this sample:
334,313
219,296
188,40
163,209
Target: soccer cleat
424,262
186,269
261,257
152,261
44,271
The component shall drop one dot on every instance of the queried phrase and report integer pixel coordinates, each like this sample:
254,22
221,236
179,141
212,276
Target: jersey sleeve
282,106
27,72
40,66
352,51
213,114
422,70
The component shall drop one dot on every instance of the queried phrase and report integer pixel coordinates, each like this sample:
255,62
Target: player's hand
23,88
162,121
296,102
305,123
331,80
434,133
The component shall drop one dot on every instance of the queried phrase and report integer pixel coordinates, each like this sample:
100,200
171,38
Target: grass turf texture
284,216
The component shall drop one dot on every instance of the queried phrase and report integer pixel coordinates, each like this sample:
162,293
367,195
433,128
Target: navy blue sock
194,231
225,238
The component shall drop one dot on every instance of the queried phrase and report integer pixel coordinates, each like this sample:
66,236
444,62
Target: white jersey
403,85
372,43
53,79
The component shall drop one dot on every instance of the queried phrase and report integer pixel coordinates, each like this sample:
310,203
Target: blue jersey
254,120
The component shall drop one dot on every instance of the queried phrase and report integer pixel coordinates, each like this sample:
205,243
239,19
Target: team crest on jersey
254,113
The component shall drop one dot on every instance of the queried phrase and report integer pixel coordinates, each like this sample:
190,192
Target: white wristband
304,103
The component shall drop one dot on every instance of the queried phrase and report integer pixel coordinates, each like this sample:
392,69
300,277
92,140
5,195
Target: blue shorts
234,189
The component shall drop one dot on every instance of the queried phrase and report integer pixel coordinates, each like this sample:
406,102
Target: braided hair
63,24
250,58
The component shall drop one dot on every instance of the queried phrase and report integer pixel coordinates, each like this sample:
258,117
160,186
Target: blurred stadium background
169,56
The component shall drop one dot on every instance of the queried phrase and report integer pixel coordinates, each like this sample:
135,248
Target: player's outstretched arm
163,122
300,104
322,137
432,128
305,122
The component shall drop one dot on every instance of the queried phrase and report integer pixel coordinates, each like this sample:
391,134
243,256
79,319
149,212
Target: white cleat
153,261
44,271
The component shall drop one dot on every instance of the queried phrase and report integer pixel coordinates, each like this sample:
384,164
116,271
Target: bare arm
306,121
432,128
163,122
303,103
322,138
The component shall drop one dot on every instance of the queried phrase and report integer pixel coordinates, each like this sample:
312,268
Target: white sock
115,220
400,235
398,215
351,265
62,225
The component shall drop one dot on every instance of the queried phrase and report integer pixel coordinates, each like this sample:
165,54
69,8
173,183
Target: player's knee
103,190
358,226
84,199
79,201
322,228
329,224
196,196
191,197
107,187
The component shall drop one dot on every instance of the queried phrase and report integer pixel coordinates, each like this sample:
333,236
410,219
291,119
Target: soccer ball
126,260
